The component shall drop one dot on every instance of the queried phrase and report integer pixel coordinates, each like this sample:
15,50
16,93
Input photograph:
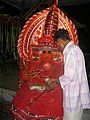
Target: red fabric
42,104
34,104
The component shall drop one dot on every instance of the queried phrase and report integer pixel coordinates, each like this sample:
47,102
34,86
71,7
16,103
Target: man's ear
59,39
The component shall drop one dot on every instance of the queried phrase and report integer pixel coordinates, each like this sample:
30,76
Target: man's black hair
63,34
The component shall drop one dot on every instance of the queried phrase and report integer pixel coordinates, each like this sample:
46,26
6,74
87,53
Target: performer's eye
49,52
44,52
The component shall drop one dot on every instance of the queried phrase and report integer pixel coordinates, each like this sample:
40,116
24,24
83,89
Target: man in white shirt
74,83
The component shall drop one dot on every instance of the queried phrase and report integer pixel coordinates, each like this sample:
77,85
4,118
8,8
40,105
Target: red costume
39,61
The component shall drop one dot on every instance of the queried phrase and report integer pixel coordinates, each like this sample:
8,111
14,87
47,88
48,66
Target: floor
9,81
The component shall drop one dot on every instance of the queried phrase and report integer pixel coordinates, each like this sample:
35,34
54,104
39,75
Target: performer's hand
52,83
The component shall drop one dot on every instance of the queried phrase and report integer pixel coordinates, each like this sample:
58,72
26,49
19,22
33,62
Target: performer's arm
52,83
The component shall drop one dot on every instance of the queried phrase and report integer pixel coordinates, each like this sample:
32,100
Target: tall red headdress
50,28
43,25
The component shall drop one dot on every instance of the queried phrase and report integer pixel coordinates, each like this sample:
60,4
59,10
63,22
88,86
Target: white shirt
76,95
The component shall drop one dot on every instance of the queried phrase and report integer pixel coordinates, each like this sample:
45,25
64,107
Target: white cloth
76,95
72,115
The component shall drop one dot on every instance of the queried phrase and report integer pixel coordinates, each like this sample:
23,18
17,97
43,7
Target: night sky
82,14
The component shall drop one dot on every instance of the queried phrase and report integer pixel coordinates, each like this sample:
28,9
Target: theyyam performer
40,96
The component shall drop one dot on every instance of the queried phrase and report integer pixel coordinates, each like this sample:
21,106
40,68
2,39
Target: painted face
60,44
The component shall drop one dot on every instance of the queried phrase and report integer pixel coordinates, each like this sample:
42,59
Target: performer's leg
72,115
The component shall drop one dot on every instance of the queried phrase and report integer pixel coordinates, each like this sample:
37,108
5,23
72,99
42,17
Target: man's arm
70,71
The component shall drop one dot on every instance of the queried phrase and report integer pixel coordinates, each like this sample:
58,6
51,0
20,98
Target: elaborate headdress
41,27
